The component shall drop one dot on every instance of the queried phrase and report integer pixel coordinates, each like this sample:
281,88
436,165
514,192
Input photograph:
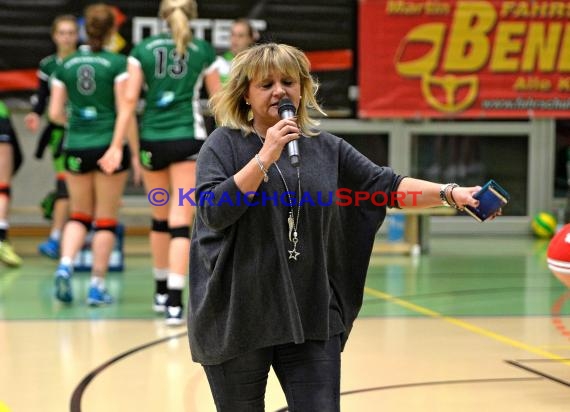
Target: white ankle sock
66,261
176,281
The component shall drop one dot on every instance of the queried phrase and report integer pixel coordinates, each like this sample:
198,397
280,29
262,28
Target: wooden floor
477,325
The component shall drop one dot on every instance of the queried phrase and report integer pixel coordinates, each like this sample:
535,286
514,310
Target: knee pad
105,224
180,231
82,218
61,189
159,226
5,189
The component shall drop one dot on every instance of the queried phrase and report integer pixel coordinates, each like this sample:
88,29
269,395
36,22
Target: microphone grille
286,104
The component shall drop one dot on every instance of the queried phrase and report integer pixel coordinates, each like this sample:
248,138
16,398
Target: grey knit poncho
245,292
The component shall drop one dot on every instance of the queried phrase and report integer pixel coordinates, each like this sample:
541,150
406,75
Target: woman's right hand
111,159
276,137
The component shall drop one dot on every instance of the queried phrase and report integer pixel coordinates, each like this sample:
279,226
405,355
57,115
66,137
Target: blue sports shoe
49,248
96,296
63,291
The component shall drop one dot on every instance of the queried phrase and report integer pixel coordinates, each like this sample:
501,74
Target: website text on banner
466,59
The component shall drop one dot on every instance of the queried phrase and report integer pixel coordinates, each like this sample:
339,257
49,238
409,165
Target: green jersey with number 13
172,107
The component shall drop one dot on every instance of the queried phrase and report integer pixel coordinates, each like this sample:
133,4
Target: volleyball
558,255
543,225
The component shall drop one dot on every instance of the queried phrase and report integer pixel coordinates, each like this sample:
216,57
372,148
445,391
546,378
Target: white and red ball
558,255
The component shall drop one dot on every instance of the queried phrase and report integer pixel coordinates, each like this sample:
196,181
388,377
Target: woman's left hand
463,196
111,160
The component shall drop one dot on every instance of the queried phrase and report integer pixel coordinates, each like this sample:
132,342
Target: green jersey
172,109
89,79
47,67
224,64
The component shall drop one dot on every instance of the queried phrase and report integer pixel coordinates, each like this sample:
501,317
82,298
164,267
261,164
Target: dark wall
312,25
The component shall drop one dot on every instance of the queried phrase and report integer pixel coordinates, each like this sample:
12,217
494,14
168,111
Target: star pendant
293,254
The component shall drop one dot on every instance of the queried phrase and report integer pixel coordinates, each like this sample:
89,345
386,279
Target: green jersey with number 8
89,79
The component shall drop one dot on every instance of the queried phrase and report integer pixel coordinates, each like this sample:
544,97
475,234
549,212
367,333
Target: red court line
556,314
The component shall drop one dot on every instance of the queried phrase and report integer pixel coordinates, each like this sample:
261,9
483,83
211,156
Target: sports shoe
96,296
49,248
63,291
174,315
7,254
159,305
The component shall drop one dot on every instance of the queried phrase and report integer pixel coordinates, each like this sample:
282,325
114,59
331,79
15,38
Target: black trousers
309,374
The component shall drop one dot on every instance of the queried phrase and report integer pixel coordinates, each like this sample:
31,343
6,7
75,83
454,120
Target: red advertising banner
464,59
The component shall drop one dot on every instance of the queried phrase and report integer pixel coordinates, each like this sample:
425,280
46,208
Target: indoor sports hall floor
479,324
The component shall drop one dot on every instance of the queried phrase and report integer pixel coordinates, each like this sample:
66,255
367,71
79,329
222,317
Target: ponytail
181,33
99,24
177,14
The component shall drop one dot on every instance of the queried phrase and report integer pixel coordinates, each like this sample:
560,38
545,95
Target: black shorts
158,155
81,161
8,135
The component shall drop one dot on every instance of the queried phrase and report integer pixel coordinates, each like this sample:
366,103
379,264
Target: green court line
466,325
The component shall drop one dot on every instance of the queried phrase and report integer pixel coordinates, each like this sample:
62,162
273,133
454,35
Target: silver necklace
292,222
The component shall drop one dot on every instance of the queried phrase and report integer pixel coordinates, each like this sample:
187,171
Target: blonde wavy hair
178,14
229,105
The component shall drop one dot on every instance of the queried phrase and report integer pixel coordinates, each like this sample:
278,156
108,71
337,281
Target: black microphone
286,111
